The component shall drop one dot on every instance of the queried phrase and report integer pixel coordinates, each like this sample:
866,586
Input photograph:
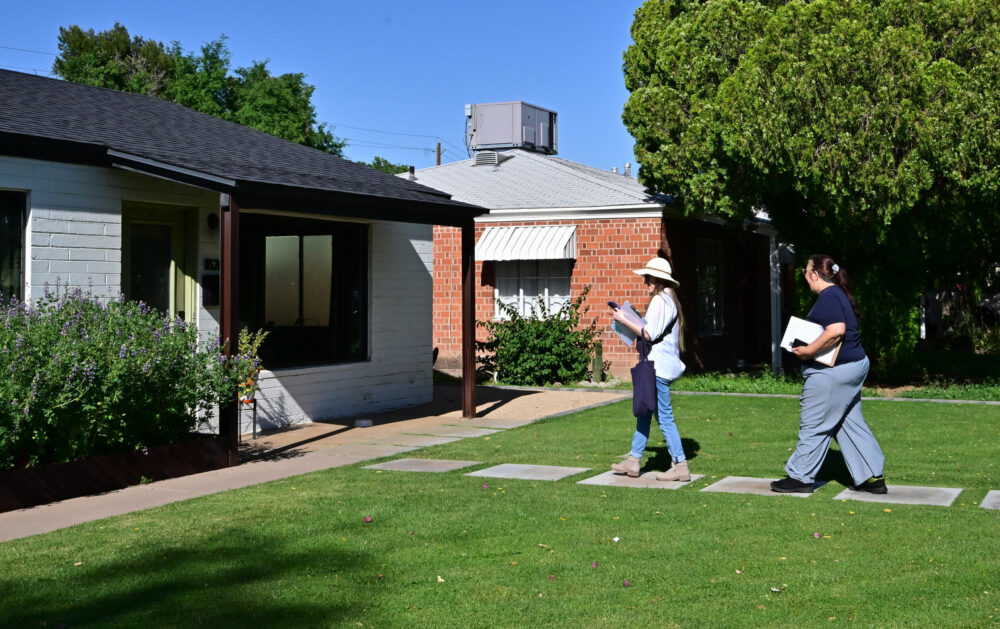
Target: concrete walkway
318,446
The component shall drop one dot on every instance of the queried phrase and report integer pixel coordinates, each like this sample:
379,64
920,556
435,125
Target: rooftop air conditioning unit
511,125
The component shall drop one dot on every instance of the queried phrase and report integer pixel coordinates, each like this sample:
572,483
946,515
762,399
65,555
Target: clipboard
625,333
801,332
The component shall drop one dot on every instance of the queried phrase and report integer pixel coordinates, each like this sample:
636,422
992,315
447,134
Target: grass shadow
658,457
221,580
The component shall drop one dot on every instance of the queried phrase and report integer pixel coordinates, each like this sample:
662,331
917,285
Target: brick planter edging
43,484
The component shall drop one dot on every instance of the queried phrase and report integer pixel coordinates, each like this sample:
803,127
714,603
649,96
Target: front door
158,257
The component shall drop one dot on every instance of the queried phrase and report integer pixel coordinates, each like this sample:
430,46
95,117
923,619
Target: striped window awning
527,242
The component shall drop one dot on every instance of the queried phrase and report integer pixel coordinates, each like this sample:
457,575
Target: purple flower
368,519
626,583
121,354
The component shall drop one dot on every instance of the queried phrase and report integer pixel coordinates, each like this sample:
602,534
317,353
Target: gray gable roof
51,119
527,180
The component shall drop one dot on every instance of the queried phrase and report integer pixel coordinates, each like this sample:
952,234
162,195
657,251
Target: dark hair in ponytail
831,272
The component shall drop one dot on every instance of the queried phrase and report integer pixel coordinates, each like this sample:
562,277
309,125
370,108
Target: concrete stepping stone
498,423
365,451
453,431
421,441
528,472
905,495
748,485
644,481
992,500
422,465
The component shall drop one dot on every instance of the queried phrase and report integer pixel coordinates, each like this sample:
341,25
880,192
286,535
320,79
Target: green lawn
448,550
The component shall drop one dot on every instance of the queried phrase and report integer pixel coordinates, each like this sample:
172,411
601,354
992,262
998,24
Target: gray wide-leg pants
831,408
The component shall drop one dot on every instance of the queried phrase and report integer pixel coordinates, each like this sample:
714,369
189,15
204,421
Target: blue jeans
665,417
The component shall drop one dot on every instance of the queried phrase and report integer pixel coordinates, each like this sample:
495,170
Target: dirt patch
894,391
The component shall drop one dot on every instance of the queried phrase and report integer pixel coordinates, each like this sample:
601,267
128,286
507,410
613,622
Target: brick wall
607,250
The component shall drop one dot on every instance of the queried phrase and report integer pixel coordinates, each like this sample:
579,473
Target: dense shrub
544,348
81,377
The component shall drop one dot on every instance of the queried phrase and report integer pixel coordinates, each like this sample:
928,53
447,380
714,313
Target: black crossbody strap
666,330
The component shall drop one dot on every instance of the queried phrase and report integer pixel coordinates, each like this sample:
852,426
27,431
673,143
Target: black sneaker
874,485
789,485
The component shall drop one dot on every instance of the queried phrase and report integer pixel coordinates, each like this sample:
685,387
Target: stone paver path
644,481
365,451
748,485
992,500
499,423
420,441
905,495
528,472
422,465
454,431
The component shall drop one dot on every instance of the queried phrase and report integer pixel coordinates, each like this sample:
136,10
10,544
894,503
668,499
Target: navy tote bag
643,381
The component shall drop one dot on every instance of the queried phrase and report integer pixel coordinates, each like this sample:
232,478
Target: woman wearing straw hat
665,330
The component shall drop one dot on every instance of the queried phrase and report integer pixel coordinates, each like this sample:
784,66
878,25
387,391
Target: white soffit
527,242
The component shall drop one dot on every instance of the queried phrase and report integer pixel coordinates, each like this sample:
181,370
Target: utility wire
37,52
35,70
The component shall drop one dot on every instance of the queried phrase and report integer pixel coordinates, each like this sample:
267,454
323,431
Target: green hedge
545,348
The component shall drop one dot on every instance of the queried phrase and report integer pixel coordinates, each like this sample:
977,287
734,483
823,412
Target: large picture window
524,284
305,282
12,206
710,294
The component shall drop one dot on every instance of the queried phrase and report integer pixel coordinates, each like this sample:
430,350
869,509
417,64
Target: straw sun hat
658,267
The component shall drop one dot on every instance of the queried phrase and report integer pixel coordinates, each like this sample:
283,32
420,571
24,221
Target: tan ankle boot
677,472
629,466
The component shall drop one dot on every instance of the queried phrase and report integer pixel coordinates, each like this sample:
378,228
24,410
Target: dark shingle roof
72,122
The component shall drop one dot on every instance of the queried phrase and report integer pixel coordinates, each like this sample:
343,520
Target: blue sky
393,66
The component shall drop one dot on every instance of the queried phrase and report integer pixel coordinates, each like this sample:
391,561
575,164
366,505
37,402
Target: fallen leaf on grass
440,580
774,589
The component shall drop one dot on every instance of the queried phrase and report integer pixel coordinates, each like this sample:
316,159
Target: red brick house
557,226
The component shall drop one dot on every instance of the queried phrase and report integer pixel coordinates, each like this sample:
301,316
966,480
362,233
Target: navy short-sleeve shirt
833,306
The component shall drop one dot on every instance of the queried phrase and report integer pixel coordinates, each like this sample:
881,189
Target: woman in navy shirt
831,396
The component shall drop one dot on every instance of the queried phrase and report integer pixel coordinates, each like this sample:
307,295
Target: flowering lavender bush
80,377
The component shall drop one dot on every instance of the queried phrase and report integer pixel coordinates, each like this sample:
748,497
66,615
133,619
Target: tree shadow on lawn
232,579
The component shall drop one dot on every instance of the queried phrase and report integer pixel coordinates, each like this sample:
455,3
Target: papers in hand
623,331
802,332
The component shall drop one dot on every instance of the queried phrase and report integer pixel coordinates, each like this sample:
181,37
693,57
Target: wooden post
439,154
469,320
230,315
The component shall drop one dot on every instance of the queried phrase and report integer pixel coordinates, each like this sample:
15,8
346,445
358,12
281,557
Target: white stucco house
226,227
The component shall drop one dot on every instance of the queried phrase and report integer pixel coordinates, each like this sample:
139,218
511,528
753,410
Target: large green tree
869,130
252,96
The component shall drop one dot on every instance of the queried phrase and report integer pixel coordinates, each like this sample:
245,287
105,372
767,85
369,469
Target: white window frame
498,314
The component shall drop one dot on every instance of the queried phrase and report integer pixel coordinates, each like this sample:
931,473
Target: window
524,284
305,282
12,205
710,295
